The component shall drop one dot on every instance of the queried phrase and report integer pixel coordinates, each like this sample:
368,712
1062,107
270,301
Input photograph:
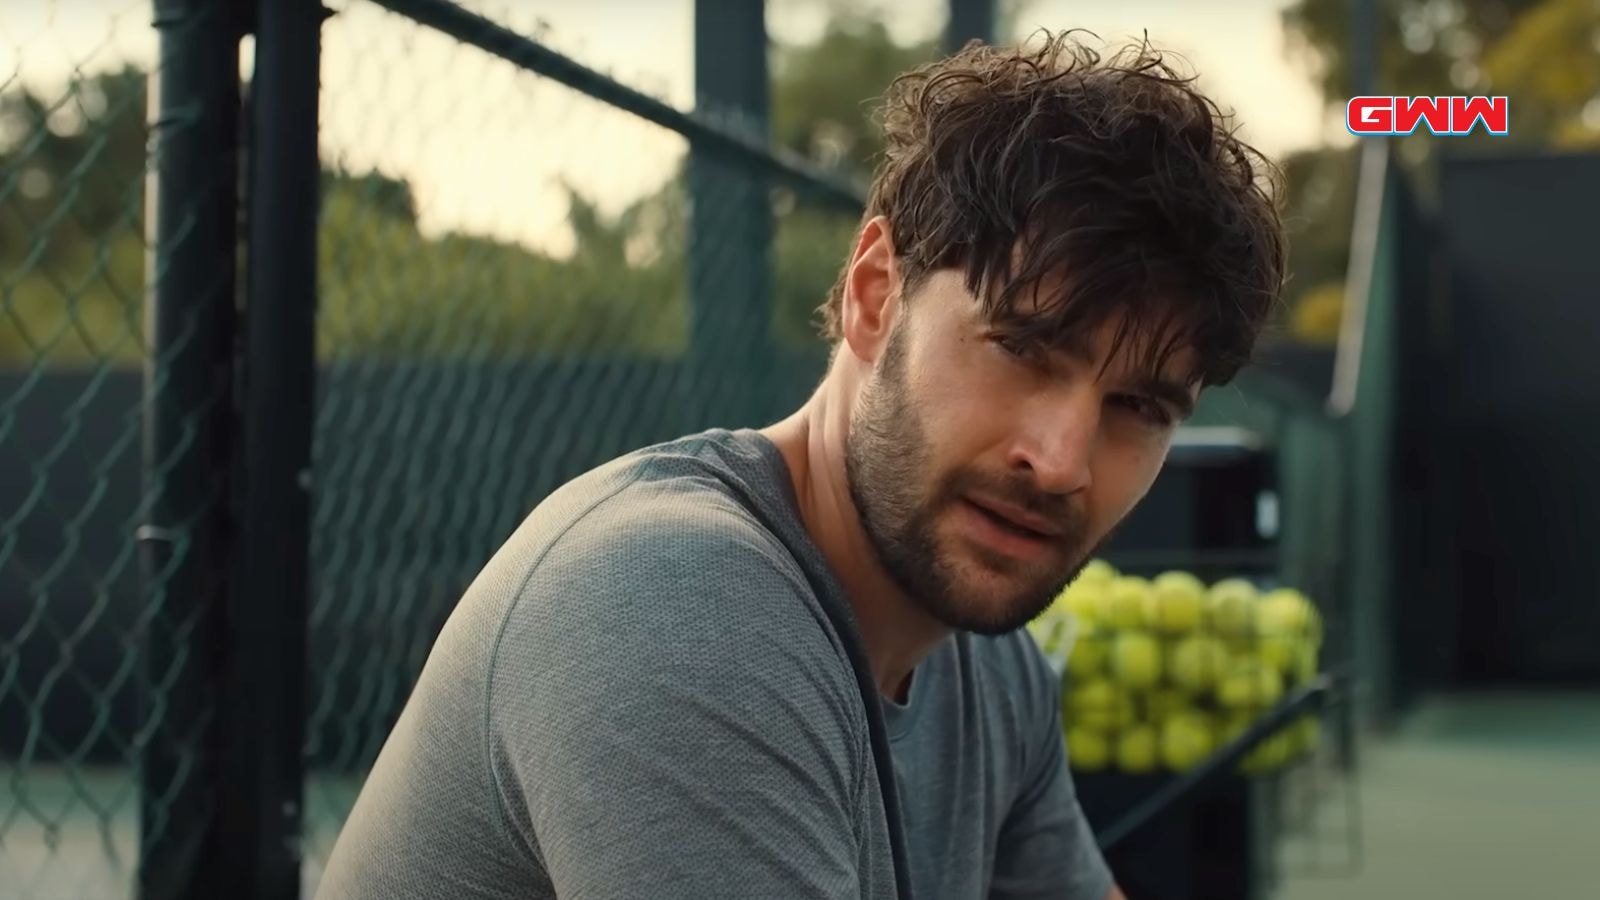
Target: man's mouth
1017,520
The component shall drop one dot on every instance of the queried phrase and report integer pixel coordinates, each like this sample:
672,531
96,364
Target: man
649,692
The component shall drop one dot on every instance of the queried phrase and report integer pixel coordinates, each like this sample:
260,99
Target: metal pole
731,227
261,795
1364,48
969,20
191,207
489,36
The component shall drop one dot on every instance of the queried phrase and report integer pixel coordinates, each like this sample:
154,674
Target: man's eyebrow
1075,347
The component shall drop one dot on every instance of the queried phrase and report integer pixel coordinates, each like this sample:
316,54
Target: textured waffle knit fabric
641,697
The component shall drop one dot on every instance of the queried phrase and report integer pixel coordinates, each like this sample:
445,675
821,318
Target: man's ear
871,292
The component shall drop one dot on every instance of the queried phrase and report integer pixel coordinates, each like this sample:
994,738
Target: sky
486,147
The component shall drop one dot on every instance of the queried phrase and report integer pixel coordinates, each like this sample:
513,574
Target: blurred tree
825,96
1427,47
823,93
72,249
824,107
71,204
1318,314
78,162
1544,54
72,255
389,291
1319,211
1549,62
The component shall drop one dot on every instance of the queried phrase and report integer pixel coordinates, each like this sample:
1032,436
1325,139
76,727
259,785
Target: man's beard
887,468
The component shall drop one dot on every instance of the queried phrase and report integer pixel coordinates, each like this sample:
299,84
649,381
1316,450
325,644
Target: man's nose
1056,445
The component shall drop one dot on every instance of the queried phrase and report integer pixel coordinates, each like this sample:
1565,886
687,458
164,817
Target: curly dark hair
1112,181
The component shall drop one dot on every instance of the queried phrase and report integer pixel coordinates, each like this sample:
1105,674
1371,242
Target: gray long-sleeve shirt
641,697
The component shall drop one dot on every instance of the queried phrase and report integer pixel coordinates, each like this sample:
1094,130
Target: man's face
986,474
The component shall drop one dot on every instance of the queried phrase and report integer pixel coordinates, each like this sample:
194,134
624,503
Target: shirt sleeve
668,718
1046,847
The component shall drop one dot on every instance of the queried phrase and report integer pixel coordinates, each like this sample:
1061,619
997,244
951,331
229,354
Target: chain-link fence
105,698
524,268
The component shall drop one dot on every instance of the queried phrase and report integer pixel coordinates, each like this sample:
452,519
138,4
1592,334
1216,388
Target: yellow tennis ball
1186,739
1129,602
1086,601
1138,749
1248,683
1179,603
1136,660
1096,570
1287,612
1232,603
1087,658
1097,704
1087,749
1196,662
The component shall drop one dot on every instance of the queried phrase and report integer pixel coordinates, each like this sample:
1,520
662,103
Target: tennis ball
1096,571
1233,606
1098,704
1179,602
1086,601
1280,651
1087,658
1248,683
1303,667
1138,749
1087,749
1136,659
1196,662
1285,611
1186,739
1129,602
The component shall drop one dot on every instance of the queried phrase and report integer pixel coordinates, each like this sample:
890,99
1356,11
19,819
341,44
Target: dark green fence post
730,225
261,797
192,183
1364,48
969,20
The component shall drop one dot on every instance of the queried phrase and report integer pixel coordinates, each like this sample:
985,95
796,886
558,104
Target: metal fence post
969,20
1364,48
191,208
261,793
730,222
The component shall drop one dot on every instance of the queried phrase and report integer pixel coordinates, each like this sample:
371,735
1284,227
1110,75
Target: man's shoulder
676,542
702,504
684,497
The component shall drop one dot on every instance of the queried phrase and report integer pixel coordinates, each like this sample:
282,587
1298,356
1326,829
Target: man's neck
898,635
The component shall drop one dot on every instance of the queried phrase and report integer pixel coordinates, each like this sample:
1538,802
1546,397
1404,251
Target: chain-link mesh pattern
518,282
97,681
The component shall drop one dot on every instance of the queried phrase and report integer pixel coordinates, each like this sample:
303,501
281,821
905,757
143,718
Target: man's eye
1015,347
1151,411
